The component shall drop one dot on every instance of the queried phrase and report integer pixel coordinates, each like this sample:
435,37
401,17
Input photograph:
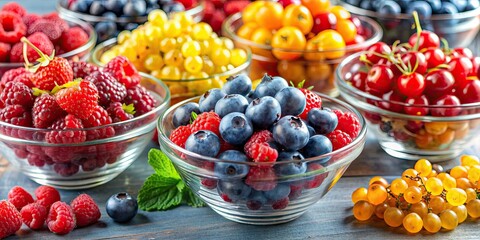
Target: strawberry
313,100
79,97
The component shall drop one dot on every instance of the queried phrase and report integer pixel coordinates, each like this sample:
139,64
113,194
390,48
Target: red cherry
411,85
462,52
438,82
414,126
450,102
358,80
358,39
324,21
470,93
416,104
377,48
434,57
356,21
401,136
415,58
373,117
285,3
380,78
392,102
427,39
460,67
476,66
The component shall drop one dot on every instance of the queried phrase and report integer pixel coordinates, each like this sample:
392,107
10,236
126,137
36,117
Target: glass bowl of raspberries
68,37
261,156
420,100
74,125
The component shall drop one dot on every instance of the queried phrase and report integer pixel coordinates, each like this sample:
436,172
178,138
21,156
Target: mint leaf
161,164
160,193
191,199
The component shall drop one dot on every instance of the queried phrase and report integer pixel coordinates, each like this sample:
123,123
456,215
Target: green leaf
191,199
160,193
162,164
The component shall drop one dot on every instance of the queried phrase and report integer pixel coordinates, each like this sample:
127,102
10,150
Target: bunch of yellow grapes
424,197
178,49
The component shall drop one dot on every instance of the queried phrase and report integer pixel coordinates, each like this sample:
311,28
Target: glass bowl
458,29
250,206
122,23
81,53
317,73
87,164
182,89
411,137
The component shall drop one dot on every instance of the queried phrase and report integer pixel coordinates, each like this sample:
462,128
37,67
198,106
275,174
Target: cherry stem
418,26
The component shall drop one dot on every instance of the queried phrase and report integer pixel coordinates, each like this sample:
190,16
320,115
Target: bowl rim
348,91
141,19
357,142
156,110
92,40
404,16
376,36
112,41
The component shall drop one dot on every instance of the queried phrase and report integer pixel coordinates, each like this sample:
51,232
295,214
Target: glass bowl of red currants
298,41
456,21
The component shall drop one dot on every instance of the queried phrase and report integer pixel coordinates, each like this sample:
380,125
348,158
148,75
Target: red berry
124,71
391,102
470,93
15,8
57,72
141,99
379,48
99,117
207,121
25,78
54,17
217,20
120,112
187,3
4,51
180,135
280,204
65,169
109,89
10,219
262,152
427,39
261,178
232,7
434,57
16,115
34,215
262,136
66,130
73,38
313,101
411,85
415,59
12,28
339,139
318,179
10,75
30,18
460,67
78,98
86,210
19,197
348,122
415,104
47,27
47,195
208,11
451,103
17,93
380,78
358,80
45,111
82,69
61,219
438,82
39,40
324,21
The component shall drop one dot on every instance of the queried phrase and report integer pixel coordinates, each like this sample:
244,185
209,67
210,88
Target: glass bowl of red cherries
421,98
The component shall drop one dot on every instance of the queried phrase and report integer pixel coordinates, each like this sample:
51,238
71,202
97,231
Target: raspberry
85,209
19,197
10,75
124,71
47,195
15,8
47,27
217,19
36,160
34,215
68,131
109,89
61,219
45,111
30,18
78,98
65,169
57,20
257,137
261,178
16,115
339,139
10,219
262,152
12,28
141,99
180,135
82,69
280,204
40,40
348,123
233,7
207,121
4,51
26,78
120,112
99,117
73,38
208,11
313,101
318,179
17,93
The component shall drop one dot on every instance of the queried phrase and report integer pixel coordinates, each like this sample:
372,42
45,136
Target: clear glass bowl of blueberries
109,17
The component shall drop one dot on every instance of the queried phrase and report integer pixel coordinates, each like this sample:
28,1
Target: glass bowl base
397,151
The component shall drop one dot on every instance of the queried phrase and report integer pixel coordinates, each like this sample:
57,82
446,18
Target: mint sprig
164,189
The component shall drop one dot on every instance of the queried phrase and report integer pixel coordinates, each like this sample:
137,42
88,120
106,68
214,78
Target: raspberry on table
261,178
38,39
99,117
109,89
10,219
339,139
47,27
17,93
10,75
45,111
207,121
348,123
73,38
68,131
85,209
120,112
141,99
19,197
47,195
34,215
82,69
15,8
124,71
61,219
12,28
4,51
261,152
180,135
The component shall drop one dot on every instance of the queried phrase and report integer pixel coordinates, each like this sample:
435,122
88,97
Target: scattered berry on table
122,207
34,215
61,219
19,197
85,209
46,196
10,219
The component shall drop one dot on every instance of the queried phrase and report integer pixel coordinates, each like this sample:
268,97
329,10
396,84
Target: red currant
411,85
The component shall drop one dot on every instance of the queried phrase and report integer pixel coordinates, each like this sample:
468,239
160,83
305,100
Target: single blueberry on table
235,128
183,114
233,190
231,170
209,99
122,207
204,143
292,168
238,84
292,101
317,146
263,112
231,103
324,121
269,86
291,132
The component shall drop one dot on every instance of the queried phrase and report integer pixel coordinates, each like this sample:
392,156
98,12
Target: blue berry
97,8
234,190
135,8
269,86
389,7
422,8
80,6
281,191
235,128
311,130
110,16
209,99
173,7
122,207
105,30
292,101
435,5
291,132
204,143
317,146
256,200
231,103
292,168
239,84
115,6
183,114
472,5
459,4
229,169
448,8
263,112
324,121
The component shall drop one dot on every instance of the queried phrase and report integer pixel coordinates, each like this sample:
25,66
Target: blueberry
472,5
239,84
448,8
404,3
121,207
152,7
389,7
459,4
204,143
367,5
173,7
353,2
317,146
115,6
250,96
183,114
263,112
269,86
281,191
292,101
231,103
135,8
324,121
105,30
292,168
80,6
97,8
131,26
256,200
435,5
232,170
209,99
422,8
235,128
234,190
291,132
376,4
110,16
311,130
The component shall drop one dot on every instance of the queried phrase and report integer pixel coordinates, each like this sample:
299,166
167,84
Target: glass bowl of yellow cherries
189,57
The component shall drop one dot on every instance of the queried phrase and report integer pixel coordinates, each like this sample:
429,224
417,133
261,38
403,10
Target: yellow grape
363,210
391,201
380,210
359,194
168,44
432,223
474,173
433,174
208,66
456,196
473,208
172,28
377,194
173,58
227,43
379,180
469,160
170,72
436,204
463,183
123,36
434,186
413,194
193,64
449,219
191,49
423,167
408,174
205,47
393,217
471,194
157,17
201,31
184,19
413,223
183,39
153,62
461,212
459,172
398,186
449,182
419,208
220,56
238,57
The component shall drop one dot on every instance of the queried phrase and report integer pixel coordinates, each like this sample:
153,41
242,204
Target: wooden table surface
330,218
